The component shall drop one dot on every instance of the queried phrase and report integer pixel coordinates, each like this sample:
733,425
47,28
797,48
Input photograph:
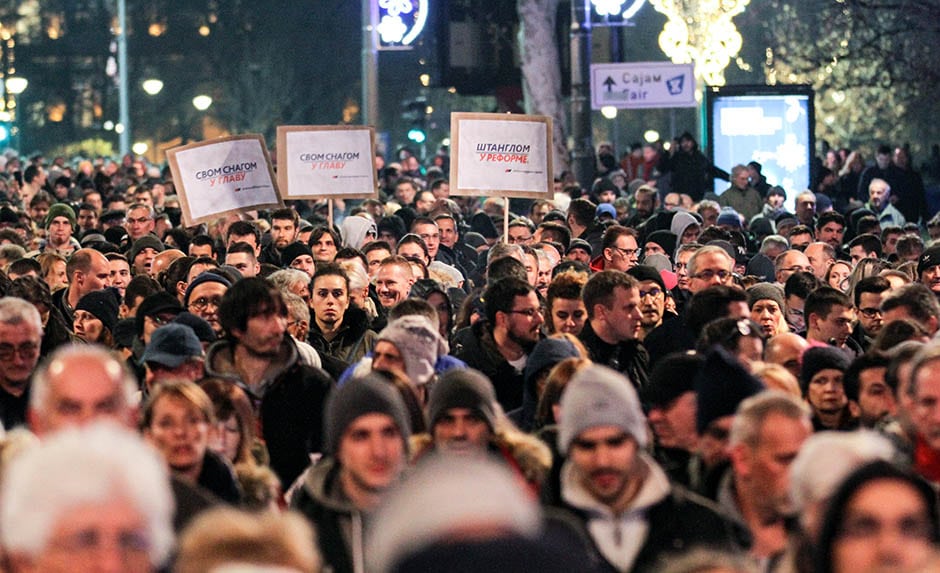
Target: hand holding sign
225,175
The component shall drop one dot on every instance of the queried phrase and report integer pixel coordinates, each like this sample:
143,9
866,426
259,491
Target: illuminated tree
872,63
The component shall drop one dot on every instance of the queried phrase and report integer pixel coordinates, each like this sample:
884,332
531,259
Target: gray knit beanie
370,394
419,343
599,396
463,388
765,291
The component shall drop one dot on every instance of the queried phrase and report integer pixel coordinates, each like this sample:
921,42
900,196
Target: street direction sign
639,85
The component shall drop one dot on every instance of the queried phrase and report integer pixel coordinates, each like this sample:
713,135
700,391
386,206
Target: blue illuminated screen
773,130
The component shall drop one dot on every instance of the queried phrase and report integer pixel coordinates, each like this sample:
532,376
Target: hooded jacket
288,402
339,525
661,520
525,454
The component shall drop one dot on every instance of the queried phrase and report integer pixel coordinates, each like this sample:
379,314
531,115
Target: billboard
772,125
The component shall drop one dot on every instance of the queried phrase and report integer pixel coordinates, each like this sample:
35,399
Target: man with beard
868,294
612,299
766,435
256,355
284,227
463,419
629,510
830,229
865,387
652,298
499,346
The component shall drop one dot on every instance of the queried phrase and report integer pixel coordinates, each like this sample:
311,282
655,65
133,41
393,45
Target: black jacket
628,357
475,346
289,405
680,522
339,525
353,341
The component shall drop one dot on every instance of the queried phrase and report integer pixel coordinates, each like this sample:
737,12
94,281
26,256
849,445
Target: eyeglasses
27,351
202,302
653,292
529,312
139,221
798,268
709,274
870,312
626,252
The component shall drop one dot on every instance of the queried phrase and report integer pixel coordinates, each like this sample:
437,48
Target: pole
124,112
582,151
370,64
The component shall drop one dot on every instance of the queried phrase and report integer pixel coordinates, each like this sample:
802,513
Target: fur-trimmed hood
525,454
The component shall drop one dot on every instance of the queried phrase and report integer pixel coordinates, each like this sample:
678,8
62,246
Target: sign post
643,85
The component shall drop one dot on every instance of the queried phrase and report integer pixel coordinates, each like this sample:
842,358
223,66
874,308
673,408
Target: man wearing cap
173,353
203,297
928,269
612,300
143,252
463,419
579,250
366,447
88,270
630,511
740,195
821,379
60,225
653,295
409,346
298,255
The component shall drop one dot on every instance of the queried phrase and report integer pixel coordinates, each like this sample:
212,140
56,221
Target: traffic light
416,115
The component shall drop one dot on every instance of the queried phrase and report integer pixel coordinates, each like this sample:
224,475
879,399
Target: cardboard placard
501,155
316,162
225,175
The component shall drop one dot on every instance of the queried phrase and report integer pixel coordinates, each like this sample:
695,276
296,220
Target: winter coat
339,525
475,346
353,341
289,404
628,357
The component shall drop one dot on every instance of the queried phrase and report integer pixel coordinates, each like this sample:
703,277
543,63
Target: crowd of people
641,375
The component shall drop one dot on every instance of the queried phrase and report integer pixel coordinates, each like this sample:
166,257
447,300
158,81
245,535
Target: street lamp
16,85
153,86
202,102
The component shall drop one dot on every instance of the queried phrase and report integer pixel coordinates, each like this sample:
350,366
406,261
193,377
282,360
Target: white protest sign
225,175
318,161
500,154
